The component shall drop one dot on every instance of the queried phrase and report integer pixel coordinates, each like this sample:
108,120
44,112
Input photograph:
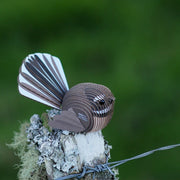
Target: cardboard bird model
86,107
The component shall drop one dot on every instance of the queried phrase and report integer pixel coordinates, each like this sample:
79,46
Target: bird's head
100,98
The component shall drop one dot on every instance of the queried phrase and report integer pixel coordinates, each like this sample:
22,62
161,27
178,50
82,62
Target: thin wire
111,165
117,163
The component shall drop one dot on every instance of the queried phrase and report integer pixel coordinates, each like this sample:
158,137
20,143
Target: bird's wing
67,120
41,78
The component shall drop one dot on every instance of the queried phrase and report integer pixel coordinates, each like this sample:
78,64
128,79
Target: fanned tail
41,78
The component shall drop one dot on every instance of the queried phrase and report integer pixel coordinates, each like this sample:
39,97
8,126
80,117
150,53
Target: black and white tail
41,78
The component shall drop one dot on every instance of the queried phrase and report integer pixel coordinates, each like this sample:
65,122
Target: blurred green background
133,47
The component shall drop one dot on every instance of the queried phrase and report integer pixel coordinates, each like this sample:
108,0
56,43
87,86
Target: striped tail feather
41,78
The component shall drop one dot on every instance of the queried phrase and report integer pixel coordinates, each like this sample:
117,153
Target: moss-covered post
77,151
59,153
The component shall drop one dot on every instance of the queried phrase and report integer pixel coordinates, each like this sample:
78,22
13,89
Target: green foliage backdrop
133,47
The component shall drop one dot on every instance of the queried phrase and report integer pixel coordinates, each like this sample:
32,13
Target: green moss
45,120
28,167
19,143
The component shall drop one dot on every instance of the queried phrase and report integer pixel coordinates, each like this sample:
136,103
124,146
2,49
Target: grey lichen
50,148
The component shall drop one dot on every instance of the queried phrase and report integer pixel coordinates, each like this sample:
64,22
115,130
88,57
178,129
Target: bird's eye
101,102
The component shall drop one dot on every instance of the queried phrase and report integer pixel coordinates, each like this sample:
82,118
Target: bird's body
85,107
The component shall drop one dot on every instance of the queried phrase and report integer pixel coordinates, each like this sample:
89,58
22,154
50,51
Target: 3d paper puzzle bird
86,107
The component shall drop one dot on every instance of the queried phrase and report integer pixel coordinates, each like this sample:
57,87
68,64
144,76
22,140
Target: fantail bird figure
86,107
